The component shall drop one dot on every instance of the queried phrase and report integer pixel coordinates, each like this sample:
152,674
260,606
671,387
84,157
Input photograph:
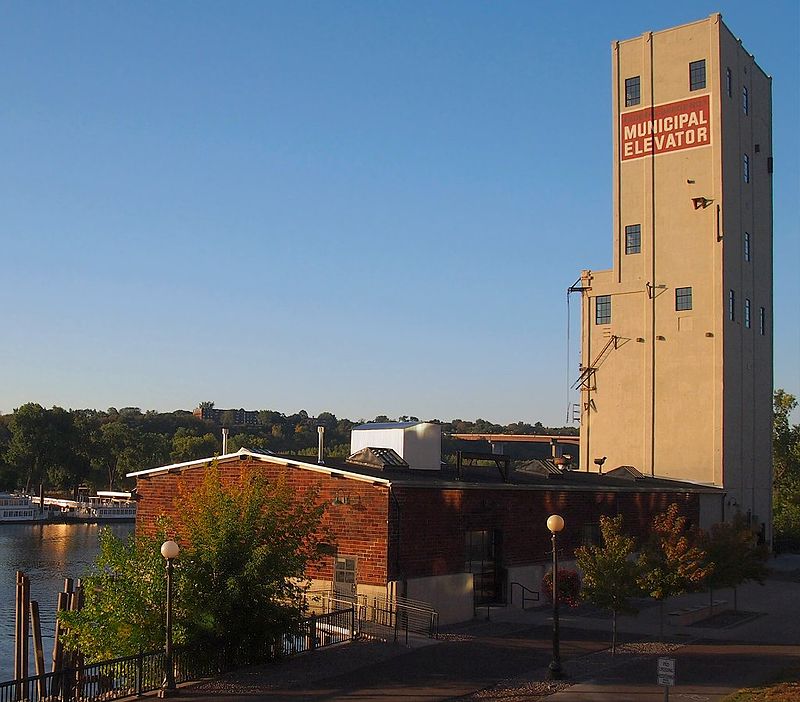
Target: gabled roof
261,455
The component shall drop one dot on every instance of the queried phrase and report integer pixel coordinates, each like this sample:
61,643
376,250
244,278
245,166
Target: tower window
697,75
633,239
632,91
729,82
762,321
747,312
602,310
745,100
746,168
747,246
732,305
683,298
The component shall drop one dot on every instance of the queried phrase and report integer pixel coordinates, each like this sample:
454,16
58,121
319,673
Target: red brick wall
426,534
357,522
432,525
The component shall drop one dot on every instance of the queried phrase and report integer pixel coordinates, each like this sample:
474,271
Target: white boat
18,508
109,505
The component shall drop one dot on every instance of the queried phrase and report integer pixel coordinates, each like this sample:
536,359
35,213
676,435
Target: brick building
231,417
448,535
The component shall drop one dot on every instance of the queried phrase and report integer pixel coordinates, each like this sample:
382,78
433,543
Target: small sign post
666,675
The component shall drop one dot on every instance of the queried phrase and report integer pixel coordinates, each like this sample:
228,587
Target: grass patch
784,688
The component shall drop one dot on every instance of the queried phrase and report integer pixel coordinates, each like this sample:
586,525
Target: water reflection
46,553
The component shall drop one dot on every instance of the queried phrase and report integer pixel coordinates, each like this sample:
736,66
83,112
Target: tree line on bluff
63,448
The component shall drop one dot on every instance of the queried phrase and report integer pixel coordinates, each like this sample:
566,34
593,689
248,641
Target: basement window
697,75
632,91
591,535
602,309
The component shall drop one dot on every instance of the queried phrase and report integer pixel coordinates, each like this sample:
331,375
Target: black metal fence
135,675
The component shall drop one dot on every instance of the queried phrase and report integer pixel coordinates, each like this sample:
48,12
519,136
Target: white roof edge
315,467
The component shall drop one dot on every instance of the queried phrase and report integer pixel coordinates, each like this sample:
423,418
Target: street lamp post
555,523
170,550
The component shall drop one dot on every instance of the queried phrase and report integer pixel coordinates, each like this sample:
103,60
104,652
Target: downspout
653,273
397,547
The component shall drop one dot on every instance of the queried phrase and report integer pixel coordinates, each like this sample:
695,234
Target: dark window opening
602,309
747,312
632,91
683,298
746,168
747,246
697,75
633,239
745,100
591,535
732,305
729,82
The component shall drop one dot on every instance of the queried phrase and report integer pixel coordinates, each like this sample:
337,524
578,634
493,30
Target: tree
609,572
247,546
42,446
732,549
124,599
569,587
238,580
188,446
786,465
671,562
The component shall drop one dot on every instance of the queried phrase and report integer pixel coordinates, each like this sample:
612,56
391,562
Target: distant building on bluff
234,417
676,372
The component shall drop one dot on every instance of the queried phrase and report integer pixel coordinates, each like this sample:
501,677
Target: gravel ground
535,686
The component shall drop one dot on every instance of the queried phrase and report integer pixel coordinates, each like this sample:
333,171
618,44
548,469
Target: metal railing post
312,627
139,673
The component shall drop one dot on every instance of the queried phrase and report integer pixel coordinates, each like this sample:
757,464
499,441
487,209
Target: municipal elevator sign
671,127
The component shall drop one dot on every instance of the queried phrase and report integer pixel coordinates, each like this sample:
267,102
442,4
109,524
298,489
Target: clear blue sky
359,207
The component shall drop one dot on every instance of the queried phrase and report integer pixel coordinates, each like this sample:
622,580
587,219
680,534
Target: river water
46,553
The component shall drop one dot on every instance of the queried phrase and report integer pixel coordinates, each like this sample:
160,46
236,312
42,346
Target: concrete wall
451,595
686,393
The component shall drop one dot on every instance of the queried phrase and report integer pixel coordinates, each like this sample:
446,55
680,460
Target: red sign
670,127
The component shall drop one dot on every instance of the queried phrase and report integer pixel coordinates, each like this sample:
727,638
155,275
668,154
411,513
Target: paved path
505,660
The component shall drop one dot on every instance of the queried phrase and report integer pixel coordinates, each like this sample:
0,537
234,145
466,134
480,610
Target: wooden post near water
22,602
38,650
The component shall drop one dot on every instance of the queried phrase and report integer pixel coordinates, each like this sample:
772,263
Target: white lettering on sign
666,665
666,672
664,128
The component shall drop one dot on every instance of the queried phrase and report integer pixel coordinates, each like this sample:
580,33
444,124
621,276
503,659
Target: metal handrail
135,675
525,590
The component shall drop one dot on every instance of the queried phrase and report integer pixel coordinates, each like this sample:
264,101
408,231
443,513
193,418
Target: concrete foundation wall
450,595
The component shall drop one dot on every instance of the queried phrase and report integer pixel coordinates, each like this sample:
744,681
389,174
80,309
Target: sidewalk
505,659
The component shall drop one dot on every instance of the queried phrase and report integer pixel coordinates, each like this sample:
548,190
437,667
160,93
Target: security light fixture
699,202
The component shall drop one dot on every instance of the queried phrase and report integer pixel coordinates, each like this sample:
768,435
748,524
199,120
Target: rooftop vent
376,457
625,473
419,444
